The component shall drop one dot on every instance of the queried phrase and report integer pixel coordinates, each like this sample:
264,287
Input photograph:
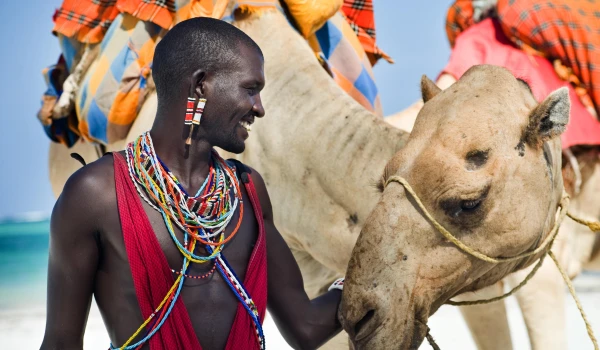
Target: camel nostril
364,321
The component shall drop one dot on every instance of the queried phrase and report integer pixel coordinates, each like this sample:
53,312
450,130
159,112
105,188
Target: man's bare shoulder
93,179
262,192
89,192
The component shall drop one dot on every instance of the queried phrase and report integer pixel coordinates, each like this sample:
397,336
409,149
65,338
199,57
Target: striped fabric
89,20
565,31
115,85
359,14
458,19
337,44
341,52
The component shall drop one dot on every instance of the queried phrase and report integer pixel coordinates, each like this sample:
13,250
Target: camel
338,171
484,158
542,300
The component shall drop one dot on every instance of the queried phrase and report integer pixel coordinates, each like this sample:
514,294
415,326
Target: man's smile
246,125
247,121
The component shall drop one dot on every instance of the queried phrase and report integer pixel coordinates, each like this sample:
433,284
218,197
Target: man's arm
73,261
304,323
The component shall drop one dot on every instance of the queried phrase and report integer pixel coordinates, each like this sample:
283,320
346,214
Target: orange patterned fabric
117,83
88,21
359,14
458,19
566,32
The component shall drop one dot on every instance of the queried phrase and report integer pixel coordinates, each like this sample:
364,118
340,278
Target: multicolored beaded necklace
202,217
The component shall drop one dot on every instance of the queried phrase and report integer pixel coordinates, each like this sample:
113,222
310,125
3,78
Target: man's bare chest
237,251
204,293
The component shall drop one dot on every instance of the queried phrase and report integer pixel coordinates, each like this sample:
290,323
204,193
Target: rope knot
592,225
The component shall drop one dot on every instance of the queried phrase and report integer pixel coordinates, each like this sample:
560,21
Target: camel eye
469,209
471,205
457,208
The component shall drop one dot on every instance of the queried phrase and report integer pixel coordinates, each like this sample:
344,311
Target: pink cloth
485,43
152,275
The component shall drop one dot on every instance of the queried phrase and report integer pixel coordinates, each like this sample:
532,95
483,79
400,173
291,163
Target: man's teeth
246,125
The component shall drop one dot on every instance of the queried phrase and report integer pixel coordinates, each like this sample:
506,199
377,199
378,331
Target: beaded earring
196,117
189,110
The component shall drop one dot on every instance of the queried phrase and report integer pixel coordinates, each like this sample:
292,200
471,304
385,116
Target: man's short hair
197,43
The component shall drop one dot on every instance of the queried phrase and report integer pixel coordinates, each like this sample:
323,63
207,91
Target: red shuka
152,276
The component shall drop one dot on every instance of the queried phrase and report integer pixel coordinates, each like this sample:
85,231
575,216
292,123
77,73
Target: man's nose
258,108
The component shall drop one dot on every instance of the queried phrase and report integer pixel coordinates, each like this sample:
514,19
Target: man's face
233,101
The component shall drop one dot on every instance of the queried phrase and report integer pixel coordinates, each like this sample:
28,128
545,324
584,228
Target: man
105,241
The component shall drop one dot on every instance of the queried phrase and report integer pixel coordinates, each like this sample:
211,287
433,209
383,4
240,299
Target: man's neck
190,164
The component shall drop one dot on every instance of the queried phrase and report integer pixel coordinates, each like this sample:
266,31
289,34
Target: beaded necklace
204,217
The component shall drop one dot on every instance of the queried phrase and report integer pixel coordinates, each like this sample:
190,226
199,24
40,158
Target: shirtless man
89,254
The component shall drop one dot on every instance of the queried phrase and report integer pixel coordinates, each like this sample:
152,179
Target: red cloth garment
359,14
152,276
486,43
243,335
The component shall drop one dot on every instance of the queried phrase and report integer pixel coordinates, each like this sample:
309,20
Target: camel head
484,159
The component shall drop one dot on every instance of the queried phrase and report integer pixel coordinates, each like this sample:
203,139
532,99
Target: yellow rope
546,245
432,341
506,295
574,295
592,225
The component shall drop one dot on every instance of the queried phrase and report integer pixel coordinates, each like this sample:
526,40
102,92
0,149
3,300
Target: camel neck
344,146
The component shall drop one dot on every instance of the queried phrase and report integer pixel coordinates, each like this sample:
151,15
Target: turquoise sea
23,263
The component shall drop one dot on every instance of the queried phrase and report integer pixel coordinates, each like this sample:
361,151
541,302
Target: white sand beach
23,328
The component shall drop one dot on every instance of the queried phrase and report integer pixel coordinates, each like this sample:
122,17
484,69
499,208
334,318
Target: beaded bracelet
338,284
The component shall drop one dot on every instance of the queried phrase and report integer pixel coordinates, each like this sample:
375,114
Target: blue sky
411,32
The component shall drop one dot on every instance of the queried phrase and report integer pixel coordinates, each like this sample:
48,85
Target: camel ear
549,119
428,88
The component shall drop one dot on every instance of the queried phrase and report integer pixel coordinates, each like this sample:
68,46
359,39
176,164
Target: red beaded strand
197,277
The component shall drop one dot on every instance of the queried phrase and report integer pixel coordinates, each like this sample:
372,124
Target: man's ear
549,119
428,89
197,83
